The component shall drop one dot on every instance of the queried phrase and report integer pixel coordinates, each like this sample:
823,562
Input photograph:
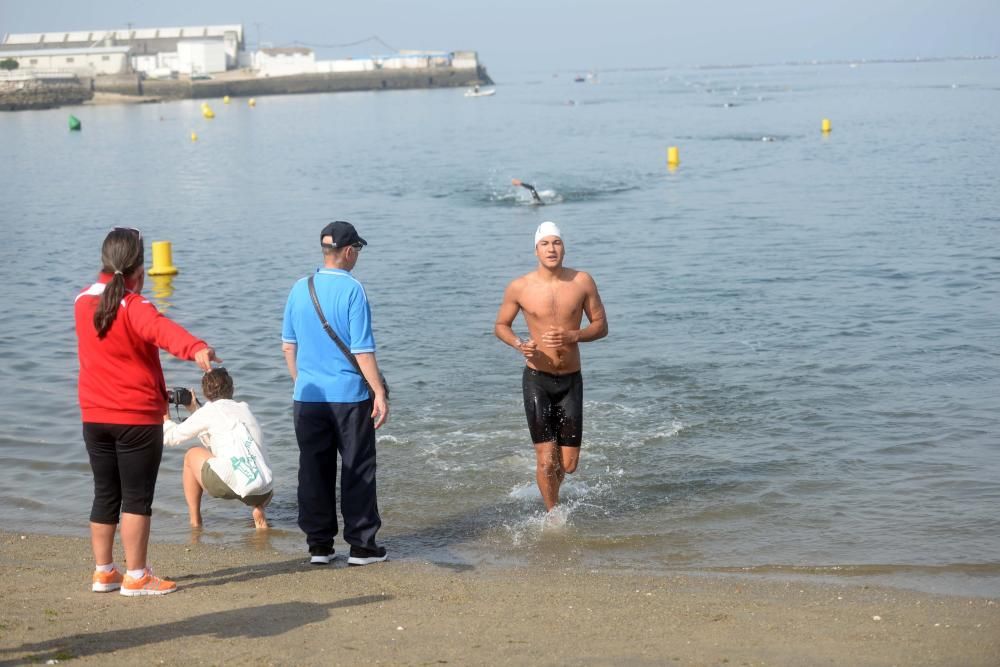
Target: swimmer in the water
530,188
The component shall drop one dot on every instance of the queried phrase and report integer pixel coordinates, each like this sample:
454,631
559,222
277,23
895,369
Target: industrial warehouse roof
142,40
87,50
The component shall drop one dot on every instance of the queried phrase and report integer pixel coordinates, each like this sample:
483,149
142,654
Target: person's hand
166,417
204,358
193,405
528,348
559,337
380,410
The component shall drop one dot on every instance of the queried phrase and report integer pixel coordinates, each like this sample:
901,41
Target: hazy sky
515,36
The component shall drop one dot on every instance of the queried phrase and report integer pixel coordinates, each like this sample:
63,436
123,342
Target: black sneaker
362,556
321,555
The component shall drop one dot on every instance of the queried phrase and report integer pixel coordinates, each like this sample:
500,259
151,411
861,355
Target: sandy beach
264,607
102,98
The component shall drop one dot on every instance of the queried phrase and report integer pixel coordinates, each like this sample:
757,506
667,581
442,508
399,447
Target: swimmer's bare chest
558,305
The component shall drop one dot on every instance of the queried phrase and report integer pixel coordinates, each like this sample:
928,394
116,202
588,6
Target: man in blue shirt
336,410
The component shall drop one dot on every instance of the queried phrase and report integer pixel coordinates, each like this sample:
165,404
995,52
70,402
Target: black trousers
323,431
125,460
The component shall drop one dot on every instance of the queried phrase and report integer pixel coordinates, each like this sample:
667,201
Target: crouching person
233,463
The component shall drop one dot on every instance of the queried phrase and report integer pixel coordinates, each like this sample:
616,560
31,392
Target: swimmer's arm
530,188
289,350
593,307
509,308
505,318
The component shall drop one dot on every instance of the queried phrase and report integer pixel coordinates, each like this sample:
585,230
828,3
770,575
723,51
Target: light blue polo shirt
324,373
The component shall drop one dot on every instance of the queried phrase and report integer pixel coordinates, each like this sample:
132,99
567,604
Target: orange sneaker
147,584
105,582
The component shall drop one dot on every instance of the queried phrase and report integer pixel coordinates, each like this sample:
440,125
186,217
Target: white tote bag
241,463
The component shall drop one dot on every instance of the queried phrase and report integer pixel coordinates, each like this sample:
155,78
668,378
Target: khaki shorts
219,489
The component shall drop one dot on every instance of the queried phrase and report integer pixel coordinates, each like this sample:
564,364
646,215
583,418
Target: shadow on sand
268,620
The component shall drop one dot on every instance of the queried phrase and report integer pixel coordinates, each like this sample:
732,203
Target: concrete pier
45,93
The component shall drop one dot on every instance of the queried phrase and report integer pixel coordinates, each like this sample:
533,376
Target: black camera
179,396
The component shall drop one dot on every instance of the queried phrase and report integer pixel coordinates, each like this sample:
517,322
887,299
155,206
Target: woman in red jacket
123,398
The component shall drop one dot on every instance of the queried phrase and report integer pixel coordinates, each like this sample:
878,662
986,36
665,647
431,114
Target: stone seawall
253,86
47,93
30,93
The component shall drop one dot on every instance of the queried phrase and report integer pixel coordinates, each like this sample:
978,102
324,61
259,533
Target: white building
86,61
413,60
201,57
284,61
151,48
299,60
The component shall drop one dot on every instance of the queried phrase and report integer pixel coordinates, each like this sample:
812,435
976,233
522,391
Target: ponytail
121,255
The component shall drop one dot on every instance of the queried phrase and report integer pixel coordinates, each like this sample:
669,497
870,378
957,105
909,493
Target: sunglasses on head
128,229
356,246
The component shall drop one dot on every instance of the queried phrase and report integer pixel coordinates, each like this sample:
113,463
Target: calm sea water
802,372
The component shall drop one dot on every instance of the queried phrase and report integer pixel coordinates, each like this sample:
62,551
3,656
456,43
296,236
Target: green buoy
74,123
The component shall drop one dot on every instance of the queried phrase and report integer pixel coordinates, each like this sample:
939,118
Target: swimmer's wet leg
549,471
570,459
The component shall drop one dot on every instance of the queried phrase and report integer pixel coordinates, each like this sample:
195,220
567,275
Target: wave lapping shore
259,606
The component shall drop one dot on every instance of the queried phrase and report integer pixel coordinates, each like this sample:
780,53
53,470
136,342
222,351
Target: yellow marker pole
826,125
163,261
673,156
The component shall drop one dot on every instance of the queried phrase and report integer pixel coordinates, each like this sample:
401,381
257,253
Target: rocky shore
26,92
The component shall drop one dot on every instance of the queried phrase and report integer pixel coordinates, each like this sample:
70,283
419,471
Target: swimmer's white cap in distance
547,228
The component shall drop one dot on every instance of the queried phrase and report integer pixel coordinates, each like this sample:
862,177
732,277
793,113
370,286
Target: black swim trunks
553,405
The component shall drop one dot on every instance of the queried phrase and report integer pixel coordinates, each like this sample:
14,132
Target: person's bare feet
259,520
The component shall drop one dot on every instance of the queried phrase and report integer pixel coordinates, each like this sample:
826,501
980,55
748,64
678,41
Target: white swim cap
547,228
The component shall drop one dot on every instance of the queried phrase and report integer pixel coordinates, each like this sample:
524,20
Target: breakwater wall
28,91
329,82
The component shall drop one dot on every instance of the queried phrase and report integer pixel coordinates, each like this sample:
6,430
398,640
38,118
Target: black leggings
125,460
553,405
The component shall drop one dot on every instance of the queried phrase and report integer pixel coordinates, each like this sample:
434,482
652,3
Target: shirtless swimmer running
553,299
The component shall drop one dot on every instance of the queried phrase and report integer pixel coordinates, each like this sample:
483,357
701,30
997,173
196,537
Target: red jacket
121,380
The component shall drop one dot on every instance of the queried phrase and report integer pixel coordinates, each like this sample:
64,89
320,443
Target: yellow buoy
163,260
252,102
225,100
208,113
194,136
826,125
673,156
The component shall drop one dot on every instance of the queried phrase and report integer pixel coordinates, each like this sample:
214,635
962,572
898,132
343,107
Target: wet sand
264,607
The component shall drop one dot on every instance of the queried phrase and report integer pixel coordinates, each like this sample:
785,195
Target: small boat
477,92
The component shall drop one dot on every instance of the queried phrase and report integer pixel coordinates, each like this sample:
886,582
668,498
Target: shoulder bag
241,462
340,344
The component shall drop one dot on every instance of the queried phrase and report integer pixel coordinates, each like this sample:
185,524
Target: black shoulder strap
336,339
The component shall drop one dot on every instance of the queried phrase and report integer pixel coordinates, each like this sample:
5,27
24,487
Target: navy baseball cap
343,234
